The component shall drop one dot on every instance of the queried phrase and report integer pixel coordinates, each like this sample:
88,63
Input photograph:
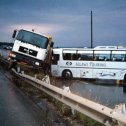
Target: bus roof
96,48
110,47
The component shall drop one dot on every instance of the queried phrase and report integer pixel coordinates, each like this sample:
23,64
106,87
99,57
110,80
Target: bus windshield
32,38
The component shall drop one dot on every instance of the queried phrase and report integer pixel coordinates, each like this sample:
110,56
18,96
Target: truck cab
30,47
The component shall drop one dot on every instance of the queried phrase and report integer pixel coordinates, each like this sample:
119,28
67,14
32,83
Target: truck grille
27,51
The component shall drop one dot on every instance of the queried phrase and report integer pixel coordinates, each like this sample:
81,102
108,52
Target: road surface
17,110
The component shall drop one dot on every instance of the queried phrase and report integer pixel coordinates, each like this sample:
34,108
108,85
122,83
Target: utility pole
91,31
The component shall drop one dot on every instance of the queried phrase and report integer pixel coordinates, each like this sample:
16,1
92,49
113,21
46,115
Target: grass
31,71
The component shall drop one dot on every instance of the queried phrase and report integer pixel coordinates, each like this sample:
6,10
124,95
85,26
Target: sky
67,21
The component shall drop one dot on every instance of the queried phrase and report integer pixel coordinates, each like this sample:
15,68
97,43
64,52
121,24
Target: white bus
102,62
30,47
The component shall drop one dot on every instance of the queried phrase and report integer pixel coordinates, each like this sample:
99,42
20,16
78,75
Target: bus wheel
124,84
67,74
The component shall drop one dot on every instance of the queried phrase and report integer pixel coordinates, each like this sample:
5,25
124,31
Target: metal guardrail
98,112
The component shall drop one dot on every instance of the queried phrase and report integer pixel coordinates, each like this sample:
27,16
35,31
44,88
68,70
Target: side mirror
14,33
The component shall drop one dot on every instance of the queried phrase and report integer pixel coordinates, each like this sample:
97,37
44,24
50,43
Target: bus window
102,55
118,56
85,56
55,59
69,56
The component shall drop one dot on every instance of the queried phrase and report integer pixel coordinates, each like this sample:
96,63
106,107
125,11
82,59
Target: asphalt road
17,110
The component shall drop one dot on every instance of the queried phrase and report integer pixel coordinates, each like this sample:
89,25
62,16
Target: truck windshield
32,38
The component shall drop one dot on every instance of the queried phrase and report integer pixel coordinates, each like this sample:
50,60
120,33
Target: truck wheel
124,84
67,74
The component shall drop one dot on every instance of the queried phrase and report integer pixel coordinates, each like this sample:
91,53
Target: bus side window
55,59
123,59
67,56
102,57
113,59
96,57
86,57
78,56
118,57
74,57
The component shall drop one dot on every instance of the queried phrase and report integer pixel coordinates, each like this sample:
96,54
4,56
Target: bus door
55,65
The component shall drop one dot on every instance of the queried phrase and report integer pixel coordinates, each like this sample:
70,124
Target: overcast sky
67,21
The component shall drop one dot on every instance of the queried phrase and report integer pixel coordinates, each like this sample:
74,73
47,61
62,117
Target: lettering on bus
91,64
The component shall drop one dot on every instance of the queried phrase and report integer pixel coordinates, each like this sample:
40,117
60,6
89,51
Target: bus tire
67,74
124,84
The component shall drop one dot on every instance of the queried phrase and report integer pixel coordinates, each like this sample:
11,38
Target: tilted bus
102,62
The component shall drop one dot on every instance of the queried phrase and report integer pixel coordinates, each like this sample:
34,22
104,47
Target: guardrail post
46,79
22,72
66,88
120,108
